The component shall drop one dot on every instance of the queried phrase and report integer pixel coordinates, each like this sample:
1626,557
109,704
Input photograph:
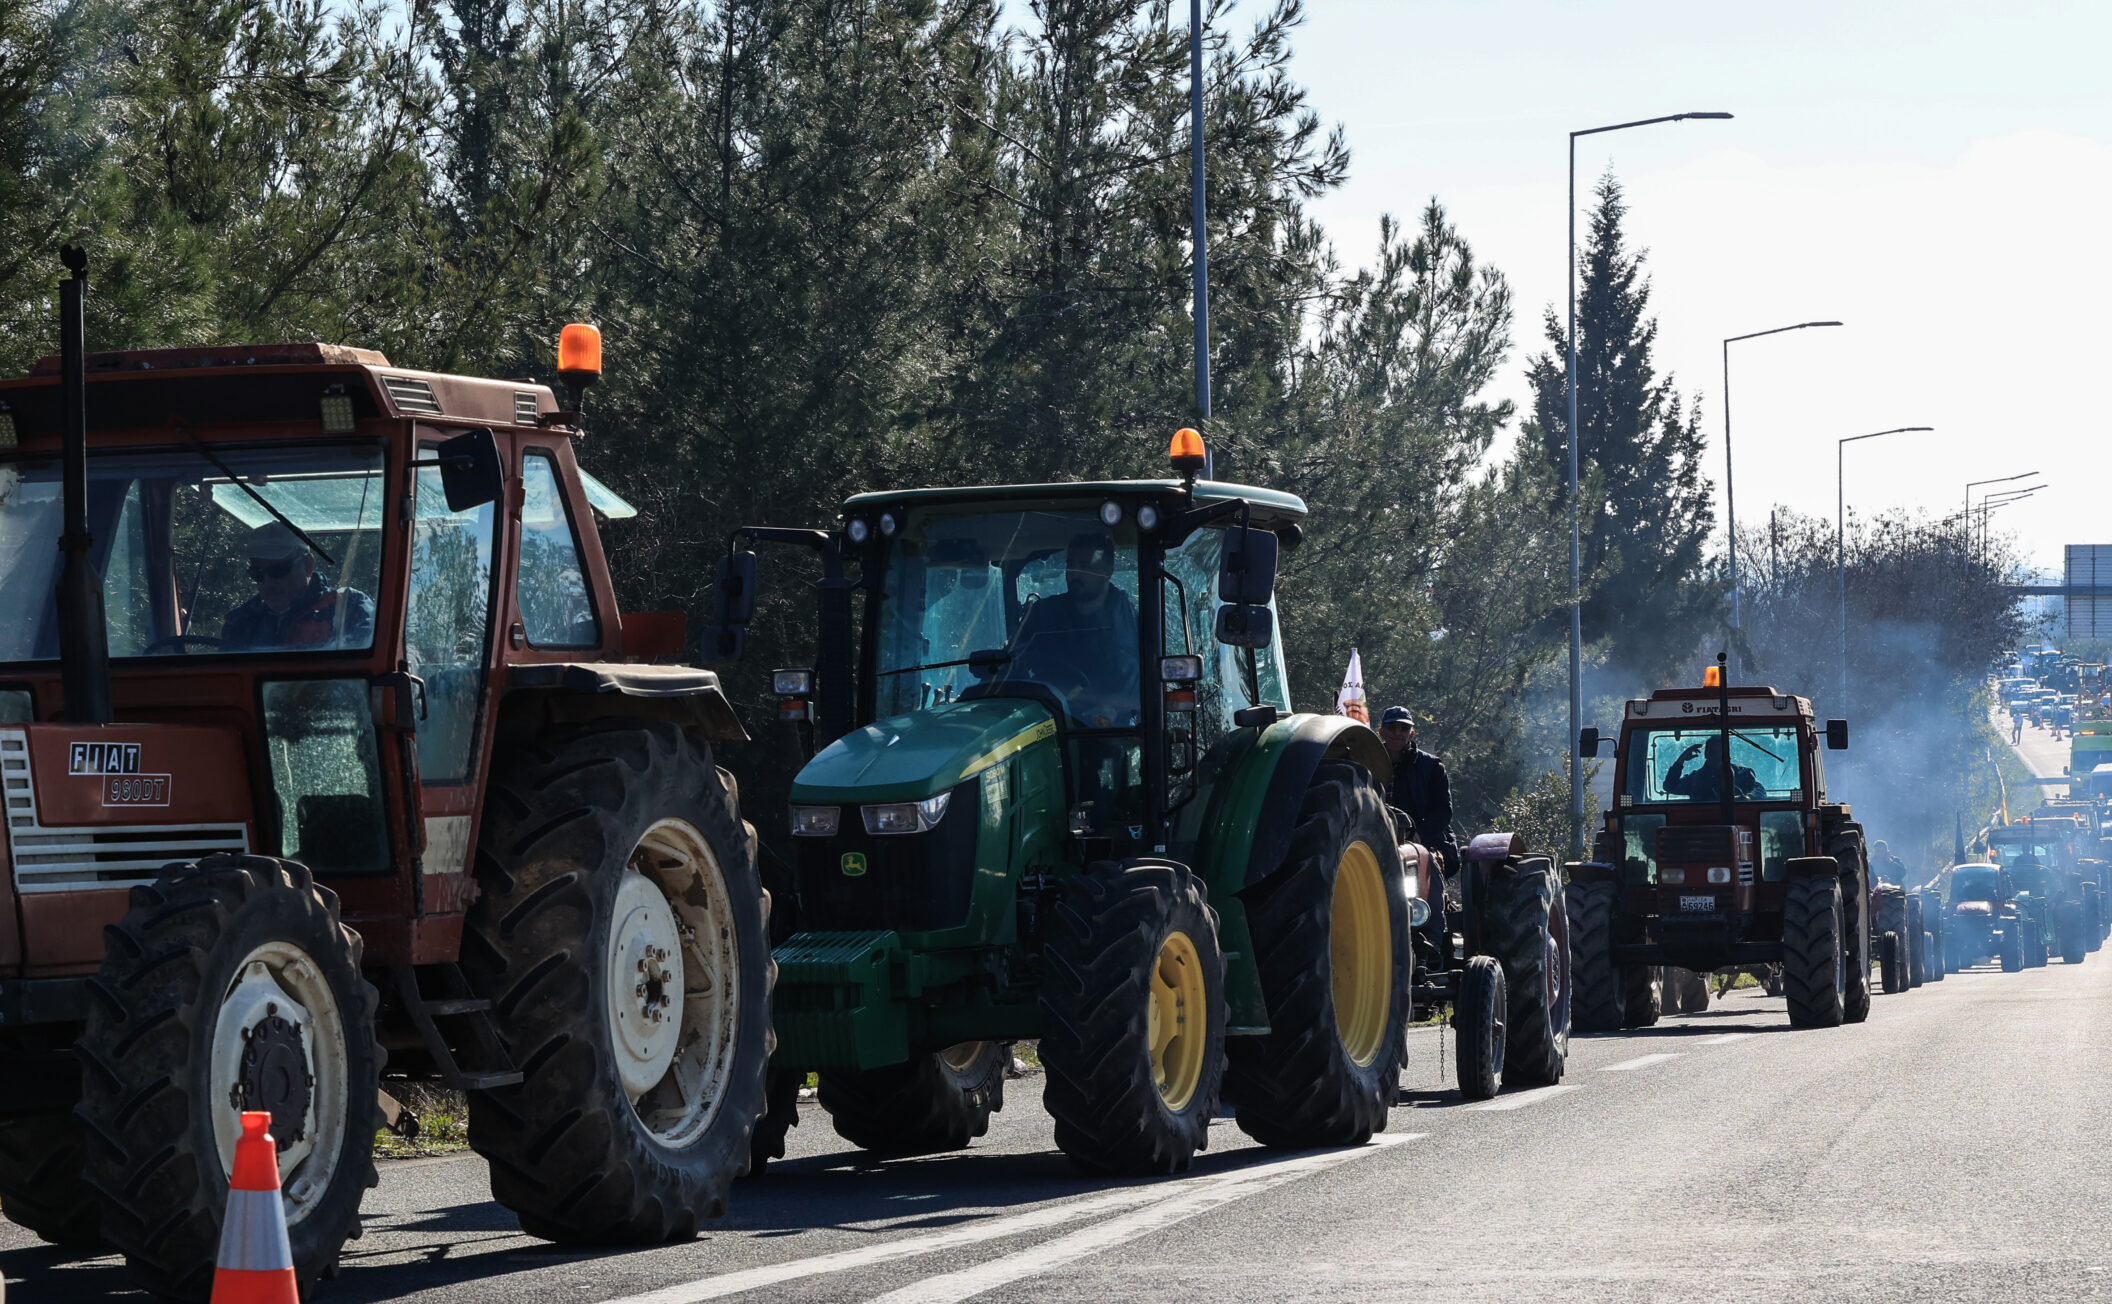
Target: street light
1198,226
1966,518
1994,503
1576,571
1840,534
1730,500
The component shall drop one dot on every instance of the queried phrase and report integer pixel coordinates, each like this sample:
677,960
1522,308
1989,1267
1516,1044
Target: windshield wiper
235,480
973,659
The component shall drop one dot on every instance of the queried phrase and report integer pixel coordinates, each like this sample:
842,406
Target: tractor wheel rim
961,1057
1176,1020
673,983
279,999
1360,954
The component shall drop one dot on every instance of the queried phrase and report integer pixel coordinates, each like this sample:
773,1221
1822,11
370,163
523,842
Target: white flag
1352,693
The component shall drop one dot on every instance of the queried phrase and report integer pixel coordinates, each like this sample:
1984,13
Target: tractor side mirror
1836,735
1245,625
1589,743
1246,573
734,599
470,474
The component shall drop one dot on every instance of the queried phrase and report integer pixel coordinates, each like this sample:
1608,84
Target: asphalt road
1958,1146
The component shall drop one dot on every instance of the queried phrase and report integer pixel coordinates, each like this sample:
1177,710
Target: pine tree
1648,508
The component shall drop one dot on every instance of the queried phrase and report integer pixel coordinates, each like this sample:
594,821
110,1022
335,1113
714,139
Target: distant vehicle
1981,921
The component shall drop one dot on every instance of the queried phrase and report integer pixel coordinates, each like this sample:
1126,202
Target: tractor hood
911,757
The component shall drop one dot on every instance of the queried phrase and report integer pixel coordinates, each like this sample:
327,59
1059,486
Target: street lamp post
1967,519
1840,536
1198,227
1576,573
1993,503
1730,501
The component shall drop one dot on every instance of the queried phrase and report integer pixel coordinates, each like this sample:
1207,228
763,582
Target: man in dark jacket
1420,786
293,609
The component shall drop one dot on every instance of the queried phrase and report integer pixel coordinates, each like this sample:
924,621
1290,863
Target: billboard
2089,566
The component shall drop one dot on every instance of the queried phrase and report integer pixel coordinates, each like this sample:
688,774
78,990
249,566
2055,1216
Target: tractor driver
1083,641
1699,783
293,608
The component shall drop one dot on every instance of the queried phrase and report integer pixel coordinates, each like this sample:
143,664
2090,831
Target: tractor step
470,1028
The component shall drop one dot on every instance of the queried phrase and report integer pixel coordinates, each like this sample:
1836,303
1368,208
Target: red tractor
329,760
1722,850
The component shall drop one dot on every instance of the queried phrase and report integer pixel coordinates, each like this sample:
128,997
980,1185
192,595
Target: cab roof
274,383
1269,504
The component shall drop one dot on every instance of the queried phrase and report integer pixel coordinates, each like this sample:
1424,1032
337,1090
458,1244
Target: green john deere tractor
1059,795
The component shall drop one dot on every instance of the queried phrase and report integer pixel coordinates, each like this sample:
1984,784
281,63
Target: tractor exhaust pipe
84,640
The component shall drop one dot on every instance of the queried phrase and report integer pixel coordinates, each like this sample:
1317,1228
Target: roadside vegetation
847,245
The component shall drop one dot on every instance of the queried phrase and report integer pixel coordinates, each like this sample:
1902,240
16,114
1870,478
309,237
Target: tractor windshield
244,550
1685,764
1976,883
1044,596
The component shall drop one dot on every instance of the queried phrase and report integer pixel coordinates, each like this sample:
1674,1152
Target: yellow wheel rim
1176,1024
1360,949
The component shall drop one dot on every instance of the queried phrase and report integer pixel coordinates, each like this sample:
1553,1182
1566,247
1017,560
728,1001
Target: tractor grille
1695,843
913,882
99,856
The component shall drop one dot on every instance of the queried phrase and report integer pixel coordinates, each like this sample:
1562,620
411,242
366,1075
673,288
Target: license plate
1703,903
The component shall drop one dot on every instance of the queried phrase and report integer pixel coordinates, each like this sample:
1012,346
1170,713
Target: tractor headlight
1719,873
1418,912
888,524
1672,876
906,816
857,530
1110,513
816,821
1148,518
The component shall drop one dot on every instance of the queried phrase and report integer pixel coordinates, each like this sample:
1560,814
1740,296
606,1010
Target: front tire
1133,1018
1916,950
1478,1015
1330,930
1596,982
780,1115
229,979
1642,996
934,1103
622,938
1527,926
1813,964
42,1184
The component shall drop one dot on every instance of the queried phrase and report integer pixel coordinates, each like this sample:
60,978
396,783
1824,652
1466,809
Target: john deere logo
853,864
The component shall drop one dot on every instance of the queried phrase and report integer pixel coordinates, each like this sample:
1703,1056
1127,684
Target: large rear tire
1596,983
2074,934
1133,1018
2013,947
43,1187
1916,948
934,1103
1330,930
1813,964
230,984
1527,926
622,938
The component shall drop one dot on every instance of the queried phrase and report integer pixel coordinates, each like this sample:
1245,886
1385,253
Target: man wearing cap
293,608
1083,641
1420,786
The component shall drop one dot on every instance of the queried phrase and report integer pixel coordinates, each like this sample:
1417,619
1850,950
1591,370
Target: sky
1937,176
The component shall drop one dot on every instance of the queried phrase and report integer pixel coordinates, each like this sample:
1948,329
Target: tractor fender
1246,818
1811,867
573,692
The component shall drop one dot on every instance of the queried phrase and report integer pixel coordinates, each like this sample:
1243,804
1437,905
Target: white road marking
1720,1039
1520,1099
1034,1220
953,1287
1641,1062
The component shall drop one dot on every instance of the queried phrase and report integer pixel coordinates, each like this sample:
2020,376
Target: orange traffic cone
256,1263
